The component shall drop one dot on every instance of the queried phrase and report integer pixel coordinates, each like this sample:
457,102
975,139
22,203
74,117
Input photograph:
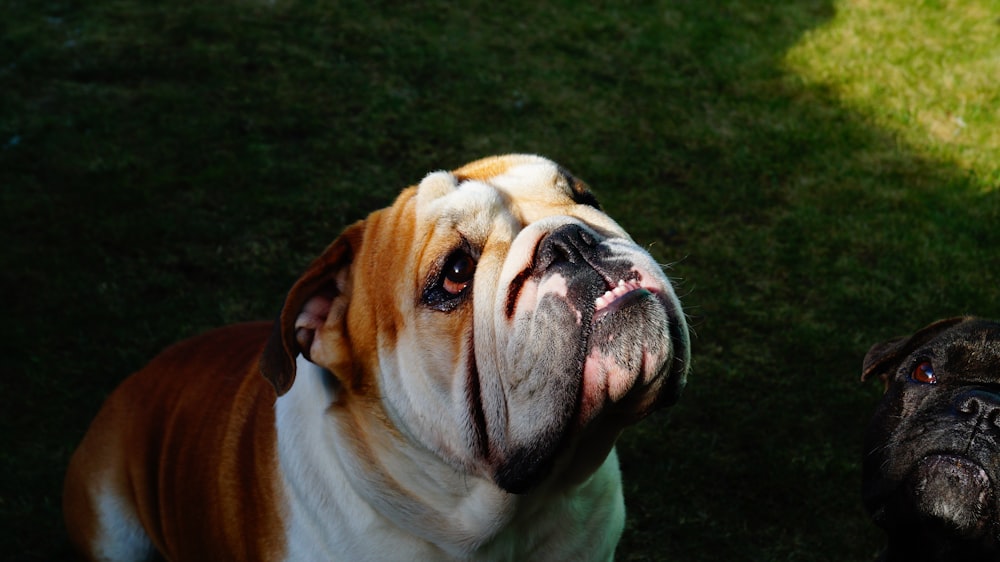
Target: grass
822,176
923,71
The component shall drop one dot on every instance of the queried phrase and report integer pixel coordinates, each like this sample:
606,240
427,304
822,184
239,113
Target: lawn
820,175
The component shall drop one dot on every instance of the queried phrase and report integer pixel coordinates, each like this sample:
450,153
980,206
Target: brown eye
924,373
450,284
458,272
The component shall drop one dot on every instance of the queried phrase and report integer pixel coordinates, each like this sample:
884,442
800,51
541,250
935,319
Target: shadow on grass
167,169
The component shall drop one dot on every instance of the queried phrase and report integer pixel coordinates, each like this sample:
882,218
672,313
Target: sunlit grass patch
927,70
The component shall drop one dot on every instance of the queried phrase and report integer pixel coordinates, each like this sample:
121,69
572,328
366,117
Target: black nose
978,403
571,243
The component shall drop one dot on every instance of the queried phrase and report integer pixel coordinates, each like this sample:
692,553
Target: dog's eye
458,272
450,286
924,373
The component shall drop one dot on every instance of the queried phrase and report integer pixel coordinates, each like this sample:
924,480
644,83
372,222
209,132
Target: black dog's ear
882,356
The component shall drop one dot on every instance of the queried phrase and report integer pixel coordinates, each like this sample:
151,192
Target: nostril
554,251
566,244
994,418
978,402
563,252
969,405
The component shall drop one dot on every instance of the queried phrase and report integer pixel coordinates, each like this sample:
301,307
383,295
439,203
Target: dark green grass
169,167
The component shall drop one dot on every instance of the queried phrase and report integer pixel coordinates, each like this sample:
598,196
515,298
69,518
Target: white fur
415,478
430,494
335,512
121,536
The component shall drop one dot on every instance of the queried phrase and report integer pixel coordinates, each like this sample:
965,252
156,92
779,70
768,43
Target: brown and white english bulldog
446,381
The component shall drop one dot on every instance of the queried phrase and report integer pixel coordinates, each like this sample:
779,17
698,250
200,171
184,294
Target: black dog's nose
979,403
569,243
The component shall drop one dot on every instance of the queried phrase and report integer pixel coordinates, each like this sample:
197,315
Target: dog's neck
456,515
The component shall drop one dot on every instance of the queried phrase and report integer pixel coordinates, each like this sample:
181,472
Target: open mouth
617,297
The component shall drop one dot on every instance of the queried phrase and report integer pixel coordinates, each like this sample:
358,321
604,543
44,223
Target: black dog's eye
924,373
457,272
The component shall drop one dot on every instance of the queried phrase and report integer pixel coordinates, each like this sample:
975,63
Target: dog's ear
316,303
882,356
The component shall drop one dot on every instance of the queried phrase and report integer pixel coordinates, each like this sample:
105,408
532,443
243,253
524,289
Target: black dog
932,451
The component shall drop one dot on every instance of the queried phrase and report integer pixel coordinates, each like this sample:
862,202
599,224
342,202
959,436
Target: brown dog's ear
317,302
883,355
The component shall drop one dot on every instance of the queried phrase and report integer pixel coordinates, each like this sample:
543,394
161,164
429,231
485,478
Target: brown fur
217,411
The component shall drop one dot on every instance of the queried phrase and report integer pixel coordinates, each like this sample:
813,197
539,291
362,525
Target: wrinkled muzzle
591,332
